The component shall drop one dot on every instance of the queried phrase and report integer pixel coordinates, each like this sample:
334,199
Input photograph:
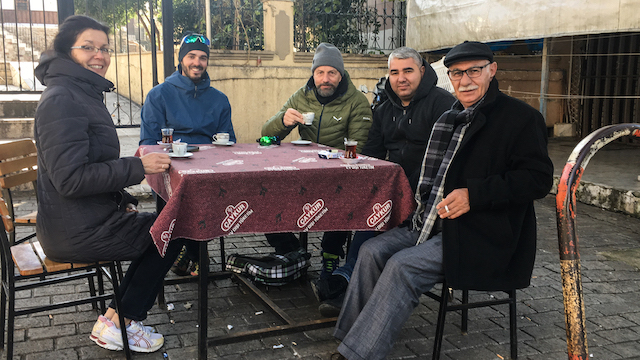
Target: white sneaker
95,334
140,340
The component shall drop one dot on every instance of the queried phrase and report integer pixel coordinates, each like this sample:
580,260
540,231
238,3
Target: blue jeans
391,274
352,255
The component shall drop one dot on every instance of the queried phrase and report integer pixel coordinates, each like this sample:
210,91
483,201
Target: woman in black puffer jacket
84,215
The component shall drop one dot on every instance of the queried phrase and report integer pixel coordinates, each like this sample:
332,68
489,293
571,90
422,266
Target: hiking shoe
331,308
195,269
140,340
181,265
330,262
329,288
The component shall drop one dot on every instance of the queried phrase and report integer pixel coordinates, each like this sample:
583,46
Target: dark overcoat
80,172
504,163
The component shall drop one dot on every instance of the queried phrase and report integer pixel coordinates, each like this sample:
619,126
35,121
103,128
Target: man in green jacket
340,111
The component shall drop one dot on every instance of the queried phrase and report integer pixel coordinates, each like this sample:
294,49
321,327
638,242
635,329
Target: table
247,189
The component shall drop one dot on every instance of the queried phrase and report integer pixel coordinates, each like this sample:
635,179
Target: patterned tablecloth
246,188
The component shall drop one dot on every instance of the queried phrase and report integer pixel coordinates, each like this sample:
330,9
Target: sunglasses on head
190,39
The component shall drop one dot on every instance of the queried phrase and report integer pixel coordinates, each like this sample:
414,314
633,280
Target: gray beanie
328,55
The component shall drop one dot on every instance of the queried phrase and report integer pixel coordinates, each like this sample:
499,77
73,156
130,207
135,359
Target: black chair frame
10,284
446,297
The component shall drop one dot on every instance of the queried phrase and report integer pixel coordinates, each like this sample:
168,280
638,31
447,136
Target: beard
188,72
326,92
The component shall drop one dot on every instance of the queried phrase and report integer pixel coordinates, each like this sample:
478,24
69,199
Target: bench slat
27,219
26,259
49,264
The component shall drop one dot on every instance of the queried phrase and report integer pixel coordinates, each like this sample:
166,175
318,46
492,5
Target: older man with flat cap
475,225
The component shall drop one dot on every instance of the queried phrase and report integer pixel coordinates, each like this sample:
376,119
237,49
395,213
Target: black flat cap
468,50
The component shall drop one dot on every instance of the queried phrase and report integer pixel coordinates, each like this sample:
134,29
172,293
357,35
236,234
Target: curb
605,197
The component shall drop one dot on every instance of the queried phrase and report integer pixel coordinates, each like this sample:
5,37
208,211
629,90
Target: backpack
271,269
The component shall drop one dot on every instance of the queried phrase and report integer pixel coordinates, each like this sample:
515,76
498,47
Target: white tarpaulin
437,24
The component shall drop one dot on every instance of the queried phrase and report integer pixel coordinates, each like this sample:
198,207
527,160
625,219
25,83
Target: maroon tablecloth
246,188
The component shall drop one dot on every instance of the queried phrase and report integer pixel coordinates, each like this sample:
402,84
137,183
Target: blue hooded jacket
195,111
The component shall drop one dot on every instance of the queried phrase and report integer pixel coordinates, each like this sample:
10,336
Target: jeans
352,255
143,280
391,274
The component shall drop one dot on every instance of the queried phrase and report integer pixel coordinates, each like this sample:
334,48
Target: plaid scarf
444,142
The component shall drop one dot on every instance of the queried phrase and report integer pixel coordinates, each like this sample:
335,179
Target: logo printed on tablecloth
311,213
196,171
305,160
247,152
381,214
236,215
167,182
358,166
231,162
281,168
166,237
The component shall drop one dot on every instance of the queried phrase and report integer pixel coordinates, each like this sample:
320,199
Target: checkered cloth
271,269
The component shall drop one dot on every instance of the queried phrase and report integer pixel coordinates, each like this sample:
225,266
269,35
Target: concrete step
16,128
18,105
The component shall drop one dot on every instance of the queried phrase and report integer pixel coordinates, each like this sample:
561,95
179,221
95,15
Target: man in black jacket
475,226
399,133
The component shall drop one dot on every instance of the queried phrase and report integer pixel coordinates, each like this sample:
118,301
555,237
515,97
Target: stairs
17,113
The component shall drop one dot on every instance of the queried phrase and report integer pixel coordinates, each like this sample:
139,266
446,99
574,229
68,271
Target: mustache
467,88
197,67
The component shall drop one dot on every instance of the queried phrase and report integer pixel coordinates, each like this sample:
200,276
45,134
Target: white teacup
179,148
308,118
221,138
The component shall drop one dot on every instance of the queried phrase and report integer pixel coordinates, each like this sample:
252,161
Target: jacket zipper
319,123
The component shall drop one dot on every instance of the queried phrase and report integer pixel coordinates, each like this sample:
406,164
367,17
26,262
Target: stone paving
610,286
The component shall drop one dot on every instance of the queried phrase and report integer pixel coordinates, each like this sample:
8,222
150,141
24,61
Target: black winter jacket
80,173
503,162
402,133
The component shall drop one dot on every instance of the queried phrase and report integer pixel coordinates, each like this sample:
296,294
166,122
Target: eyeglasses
190,39
472,72
93,49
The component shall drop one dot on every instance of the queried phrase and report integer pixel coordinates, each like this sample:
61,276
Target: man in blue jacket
186,102
196,111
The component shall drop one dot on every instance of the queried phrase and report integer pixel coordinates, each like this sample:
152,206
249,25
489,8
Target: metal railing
568,238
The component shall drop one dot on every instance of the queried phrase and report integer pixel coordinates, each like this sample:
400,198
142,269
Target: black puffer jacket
402,133
80,172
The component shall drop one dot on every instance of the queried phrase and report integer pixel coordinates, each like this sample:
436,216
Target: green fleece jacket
349,115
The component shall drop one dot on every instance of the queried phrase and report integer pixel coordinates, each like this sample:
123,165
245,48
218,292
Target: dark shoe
331,308
329,288
330,262
337,356
195,269
181,265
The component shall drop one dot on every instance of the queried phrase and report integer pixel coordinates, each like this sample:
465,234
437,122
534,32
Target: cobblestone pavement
610,286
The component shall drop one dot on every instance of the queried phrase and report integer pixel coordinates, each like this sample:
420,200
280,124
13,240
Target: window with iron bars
235,24
360,26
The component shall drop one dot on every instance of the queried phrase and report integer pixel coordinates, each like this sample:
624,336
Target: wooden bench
30,259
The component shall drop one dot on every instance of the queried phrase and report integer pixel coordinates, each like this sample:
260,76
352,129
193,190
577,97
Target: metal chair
445,299
32,264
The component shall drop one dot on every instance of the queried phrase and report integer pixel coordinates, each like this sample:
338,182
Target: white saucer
351,161
164,144
186,155
301,142
223,143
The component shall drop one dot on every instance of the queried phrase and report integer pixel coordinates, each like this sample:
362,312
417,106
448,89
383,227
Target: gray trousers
390,276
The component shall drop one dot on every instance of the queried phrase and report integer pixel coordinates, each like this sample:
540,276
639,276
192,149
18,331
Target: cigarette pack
329,154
